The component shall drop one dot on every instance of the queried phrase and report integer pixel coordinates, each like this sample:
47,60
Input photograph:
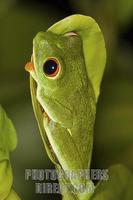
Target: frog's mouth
39,114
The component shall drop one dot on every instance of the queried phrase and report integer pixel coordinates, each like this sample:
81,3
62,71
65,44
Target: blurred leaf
117,187
8,143
8,140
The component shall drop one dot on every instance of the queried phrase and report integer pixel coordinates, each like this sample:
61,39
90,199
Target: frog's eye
51,67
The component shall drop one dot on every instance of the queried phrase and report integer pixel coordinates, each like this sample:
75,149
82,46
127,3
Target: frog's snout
29,66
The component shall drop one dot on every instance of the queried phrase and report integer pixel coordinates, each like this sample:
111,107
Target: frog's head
56,63
58,69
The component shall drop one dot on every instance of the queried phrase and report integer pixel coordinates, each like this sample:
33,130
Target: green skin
68,99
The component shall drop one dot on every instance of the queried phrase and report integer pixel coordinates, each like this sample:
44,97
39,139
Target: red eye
51,67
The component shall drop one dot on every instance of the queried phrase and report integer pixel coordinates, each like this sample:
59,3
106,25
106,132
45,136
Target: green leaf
8,139
117,187
8,143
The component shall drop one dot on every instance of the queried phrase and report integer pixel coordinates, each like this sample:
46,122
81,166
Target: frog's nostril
29,67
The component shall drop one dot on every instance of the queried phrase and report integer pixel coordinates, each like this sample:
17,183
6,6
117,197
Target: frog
65,82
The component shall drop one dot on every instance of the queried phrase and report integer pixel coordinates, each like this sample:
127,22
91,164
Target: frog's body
64,100
68,99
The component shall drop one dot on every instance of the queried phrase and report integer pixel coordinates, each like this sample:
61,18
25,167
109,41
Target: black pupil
50,67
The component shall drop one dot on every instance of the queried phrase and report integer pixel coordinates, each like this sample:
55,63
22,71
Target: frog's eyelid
71,34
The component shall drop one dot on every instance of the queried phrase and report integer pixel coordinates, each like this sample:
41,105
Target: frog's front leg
52,106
